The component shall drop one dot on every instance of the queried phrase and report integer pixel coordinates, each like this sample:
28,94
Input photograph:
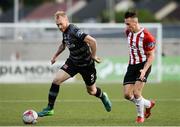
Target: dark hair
131,14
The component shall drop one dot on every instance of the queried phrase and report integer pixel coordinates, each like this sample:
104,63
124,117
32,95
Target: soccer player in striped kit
82,48
141,53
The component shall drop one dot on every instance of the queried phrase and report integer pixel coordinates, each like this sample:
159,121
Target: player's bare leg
95,91
60,77
128,92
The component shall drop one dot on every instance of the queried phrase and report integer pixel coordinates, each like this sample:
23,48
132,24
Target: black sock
53,93
98,93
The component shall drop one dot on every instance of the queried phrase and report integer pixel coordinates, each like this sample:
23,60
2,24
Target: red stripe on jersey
127,32
137,45
132,51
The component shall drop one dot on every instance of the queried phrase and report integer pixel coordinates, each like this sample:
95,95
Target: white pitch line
81,100
91,126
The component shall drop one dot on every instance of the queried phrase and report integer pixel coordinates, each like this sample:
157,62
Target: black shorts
133,73
88,73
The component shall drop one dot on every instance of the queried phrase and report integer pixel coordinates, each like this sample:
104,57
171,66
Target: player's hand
53,60
97,59
142,75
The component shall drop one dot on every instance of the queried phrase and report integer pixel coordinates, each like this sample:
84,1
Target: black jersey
80,53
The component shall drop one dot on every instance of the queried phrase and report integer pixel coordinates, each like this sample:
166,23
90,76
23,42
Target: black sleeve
78,33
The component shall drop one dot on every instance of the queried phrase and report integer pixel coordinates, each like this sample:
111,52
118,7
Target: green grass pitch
74,107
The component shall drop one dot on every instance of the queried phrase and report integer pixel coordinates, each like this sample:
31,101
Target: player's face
62,23
130,24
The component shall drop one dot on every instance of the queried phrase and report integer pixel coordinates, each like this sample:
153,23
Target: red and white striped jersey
139,44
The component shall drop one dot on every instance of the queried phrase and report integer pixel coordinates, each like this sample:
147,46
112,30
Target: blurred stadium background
29,38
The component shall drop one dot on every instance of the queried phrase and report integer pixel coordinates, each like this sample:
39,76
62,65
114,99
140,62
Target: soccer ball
30,117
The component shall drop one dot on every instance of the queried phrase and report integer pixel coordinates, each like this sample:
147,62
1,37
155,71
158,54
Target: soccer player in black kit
82,49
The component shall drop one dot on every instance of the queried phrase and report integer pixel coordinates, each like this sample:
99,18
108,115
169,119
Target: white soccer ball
30,117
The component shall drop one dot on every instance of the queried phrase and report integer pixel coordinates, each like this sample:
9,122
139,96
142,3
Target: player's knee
56,81
127,96
137,95
91,92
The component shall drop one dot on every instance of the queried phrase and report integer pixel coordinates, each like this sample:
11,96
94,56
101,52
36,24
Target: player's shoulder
148,34
73,28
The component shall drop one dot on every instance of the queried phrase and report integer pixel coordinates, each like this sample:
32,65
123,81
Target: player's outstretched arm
93,46
60,49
